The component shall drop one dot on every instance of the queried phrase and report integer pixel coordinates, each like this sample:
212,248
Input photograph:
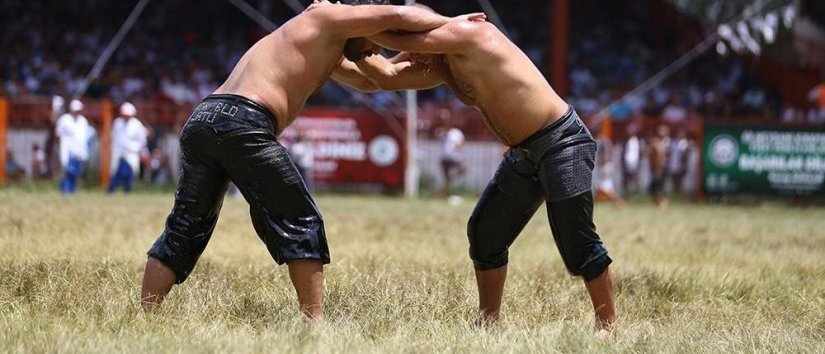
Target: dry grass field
689,279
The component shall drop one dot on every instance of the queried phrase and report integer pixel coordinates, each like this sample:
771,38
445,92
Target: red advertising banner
356,147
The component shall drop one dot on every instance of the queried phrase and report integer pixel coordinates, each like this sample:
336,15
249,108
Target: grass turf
693,278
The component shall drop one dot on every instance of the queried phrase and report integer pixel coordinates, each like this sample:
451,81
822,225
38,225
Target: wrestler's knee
485,252
169,252
182,243
581,248
588,263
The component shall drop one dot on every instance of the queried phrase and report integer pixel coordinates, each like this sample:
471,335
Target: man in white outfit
451,165
74,133
631,161
118,125
129,137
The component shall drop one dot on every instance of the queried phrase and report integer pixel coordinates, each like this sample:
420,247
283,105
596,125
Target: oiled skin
286,67
488,71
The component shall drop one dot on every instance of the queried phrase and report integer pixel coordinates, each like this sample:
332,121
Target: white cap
76,106
127,109
57,103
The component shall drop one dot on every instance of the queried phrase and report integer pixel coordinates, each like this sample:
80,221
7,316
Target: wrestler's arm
364,20
453,37
348,74
399,73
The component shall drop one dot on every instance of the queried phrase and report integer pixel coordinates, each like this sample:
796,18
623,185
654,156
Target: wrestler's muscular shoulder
306,35
289,64
466,70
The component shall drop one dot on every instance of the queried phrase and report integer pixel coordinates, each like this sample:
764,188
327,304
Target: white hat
127,109
58,103
76,106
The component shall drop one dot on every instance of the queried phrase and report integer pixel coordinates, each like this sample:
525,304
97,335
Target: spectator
754,100
14,171
677,161
38,162
817,96
159,168
51,147
621,111
605,187
74,133
631,160
675,112
451,165
129,142
658,155
118,125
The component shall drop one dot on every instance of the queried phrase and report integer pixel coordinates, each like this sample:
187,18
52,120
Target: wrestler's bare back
494,75
515,98
284,68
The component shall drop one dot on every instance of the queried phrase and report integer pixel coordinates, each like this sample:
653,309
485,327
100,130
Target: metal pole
110,49
106,116
295,5
672,68
411,172
253,14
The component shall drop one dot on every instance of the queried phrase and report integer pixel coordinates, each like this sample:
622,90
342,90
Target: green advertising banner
763,160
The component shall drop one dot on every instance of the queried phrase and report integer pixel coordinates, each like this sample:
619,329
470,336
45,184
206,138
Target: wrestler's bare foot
601,295
308,279
486,320
604,334
490,291
158,280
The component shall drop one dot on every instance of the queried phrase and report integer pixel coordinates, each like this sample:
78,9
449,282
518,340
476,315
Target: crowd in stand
180,53
169,54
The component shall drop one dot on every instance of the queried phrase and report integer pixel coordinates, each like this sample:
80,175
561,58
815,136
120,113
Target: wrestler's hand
377,67
317,3
474,17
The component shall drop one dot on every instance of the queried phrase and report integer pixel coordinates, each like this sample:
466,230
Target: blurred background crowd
179,52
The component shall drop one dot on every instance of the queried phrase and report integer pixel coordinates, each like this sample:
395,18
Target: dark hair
366,2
